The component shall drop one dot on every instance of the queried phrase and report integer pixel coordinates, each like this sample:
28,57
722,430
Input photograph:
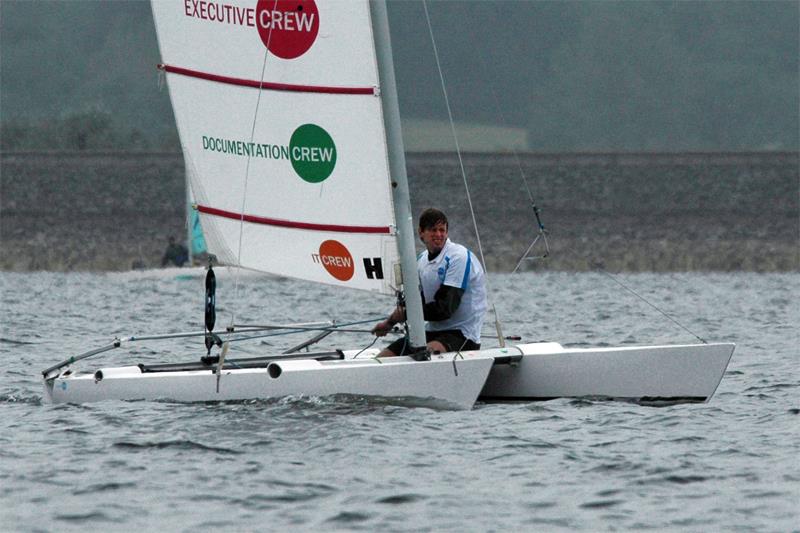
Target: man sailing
453,293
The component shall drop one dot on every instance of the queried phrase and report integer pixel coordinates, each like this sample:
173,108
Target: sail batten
267,221
268,85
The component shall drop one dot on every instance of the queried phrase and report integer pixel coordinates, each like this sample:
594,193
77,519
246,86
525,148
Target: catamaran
288,118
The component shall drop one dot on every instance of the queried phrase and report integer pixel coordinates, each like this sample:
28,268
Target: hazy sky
577,74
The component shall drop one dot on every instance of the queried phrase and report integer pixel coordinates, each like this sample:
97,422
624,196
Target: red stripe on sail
267,84
292,224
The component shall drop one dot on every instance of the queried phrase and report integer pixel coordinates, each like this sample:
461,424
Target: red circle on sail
288,28
337,260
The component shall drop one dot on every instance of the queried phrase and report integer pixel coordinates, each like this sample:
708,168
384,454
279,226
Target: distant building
426,135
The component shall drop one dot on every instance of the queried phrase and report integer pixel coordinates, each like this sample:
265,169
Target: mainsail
283,137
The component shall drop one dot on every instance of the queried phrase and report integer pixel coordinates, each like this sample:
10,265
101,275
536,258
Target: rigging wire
453,130
238,265
461,165
542,233
645,300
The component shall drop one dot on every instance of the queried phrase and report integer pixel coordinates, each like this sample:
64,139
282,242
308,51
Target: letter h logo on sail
373,267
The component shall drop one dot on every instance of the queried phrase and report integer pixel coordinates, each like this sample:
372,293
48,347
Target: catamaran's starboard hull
639,373
441,383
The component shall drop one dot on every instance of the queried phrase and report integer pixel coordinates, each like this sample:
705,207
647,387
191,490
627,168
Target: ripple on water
400,499
286,495
347,463
174,444
601,504
87,517
104,487
348,518
674,478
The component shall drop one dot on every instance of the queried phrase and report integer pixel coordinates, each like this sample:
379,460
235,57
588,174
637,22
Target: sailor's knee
436,347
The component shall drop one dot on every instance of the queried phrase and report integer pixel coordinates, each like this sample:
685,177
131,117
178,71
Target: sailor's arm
384,327
445,303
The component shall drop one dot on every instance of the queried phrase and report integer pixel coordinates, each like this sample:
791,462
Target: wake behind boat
288,118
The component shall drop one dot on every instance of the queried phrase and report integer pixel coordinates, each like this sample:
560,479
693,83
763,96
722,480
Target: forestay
282,131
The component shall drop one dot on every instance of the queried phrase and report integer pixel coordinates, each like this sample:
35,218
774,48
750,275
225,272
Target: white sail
278,110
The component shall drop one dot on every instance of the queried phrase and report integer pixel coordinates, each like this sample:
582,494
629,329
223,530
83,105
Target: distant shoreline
636,211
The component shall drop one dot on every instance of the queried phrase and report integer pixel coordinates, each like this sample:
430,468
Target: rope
290,330
278,334
368,346
457,355
461,165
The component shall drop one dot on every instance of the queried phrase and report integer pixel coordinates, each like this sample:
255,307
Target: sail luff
397,171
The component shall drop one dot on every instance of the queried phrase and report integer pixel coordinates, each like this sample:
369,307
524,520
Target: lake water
353,464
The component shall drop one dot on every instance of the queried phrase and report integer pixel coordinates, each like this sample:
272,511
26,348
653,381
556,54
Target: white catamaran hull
672,373
442,382
538,371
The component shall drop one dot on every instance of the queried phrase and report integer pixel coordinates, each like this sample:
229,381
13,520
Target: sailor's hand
382,328
398,315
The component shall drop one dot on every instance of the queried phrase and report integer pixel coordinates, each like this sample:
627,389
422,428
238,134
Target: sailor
176,253
453,293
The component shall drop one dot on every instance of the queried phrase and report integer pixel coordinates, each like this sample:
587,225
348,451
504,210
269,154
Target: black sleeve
444,304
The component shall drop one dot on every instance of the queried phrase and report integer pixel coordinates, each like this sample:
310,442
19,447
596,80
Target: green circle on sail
312,153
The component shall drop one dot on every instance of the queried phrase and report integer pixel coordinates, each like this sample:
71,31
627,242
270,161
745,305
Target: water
353,464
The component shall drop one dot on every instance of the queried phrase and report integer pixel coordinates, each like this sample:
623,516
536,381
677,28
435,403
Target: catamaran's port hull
444,383
674,373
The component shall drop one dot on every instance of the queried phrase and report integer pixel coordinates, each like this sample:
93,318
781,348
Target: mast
406,237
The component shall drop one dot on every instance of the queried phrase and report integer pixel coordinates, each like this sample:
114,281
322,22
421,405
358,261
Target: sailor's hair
430,217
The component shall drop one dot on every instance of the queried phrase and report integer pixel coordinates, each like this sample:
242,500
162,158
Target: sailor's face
434,237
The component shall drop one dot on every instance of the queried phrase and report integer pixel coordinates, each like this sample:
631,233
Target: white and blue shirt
455,266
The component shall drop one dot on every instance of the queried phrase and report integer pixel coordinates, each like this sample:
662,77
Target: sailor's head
430,217
433,229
